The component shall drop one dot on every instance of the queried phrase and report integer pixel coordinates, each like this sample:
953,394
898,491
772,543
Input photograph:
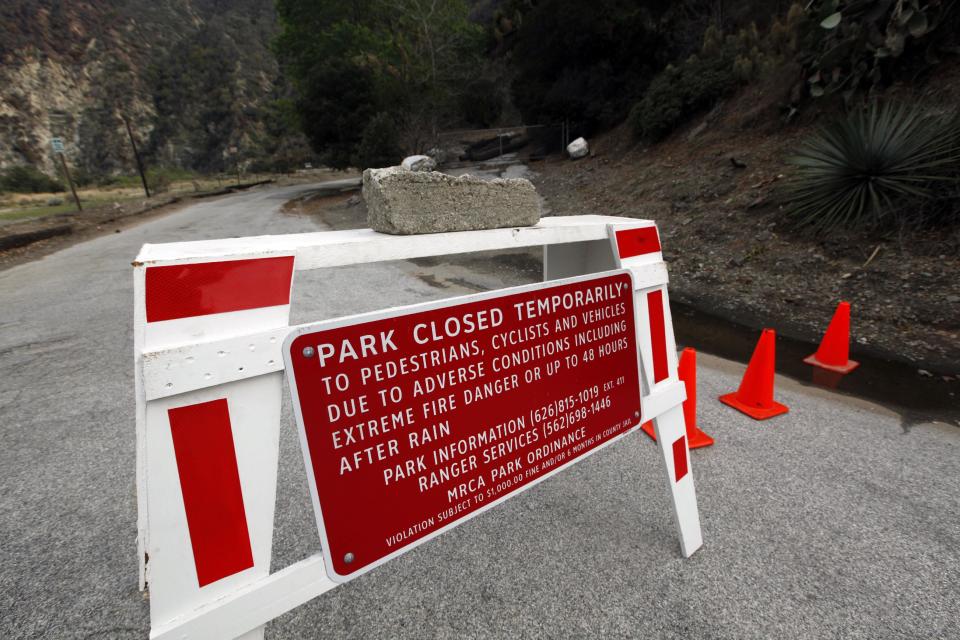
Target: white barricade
211,318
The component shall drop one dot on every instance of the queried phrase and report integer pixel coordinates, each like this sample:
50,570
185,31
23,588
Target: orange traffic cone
834,351
647,428
755,395
687,371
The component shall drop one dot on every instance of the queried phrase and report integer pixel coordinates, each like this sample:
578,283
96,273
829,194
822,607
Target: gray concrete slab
833,521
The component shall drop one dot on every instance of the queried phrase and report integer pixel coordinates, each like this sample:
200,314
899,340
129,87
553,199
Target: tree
582,61
199,112
378,146
351,60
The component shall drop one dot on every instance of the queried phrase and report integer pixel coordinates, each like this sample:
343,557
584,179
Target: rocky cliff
195,79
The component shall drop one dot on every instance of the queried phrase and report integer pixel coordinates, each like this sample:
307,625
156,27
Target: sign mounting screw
348,558
308,352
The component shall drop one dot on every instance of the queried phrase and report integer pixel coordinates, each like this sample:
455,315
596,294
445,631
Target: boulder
410,202
578,149
419,163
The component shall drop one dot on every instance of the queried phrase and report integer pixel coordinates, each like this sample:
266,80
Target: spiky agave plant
873,167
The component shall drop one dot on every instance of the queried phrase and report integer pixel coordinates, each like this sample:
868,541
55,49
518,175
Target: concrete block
405,202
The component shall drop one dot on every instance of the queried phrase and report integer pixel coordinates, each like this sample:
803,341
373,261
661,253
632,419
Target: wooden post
136,155
73,190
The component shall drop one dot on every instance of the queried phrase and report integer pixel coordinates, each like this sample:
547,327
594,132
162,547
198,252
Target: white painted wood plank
252,605
356,246
184,368
170,372
669,427
662,399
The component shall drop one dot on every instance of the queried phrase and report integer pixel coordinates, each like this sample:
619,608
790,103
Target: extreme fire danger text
415,420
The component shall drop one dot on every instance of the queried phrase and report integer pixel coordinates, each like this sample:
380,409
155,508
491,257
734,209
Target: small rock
578,149
925,373
54,202
419,163
846,275
353,200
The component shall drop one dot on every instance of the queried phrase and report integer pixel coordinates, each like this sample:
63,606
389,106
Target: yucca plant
874,167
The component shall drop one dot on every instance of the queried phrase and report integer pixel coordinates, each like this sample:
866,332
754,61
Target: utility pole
57,145
136,154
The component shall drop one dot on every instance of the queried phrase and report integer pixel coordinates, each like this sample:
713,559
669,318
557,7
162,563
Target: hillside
194,78
732,250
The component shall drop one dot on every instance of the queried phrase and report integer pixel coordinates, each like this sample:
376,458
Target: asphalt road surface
834,521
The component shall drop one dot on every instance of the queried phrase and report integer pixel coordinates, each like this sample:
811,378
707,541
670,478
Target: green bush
852,46
26,179
725,62
379,146
877,167
679,92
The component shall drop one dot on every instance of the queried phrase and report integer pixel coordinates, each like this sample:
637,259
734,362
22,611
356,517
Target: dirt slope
730,250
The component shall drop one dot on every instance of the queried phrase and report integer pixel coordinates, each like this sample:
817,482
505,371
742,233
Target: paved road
833,521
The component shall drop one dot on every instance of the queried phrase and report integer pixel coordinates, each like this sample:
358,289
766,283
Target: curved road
832,521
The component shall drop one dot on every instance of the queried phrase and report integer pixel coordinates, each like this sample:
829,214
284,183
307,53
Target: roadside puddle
897,386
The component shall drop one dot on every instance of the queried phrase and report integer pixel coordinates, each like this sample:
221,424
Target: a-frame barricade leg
207,428
637,247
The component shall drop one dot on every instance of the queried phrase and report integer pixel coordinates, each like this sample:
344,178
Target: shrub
378,145
482,103
26,179
878,166
583,61
725,62
159,179
679,92
866,44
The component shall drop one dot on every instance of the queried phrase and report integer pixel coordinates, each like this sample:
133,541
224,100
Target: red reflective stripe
198,289
658,335
210,483
680,458
637,242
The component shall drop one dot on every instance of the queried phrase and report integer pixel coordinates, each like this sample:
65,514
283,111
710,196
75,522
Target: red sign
416,418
